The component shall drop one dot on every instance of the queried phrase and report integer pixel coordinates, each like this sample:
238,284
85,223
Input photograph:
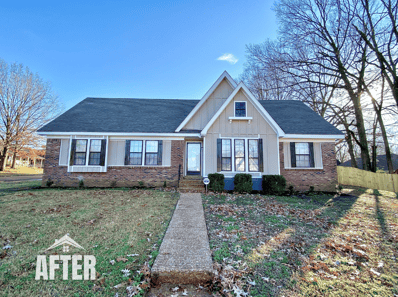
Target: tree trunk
3,158
386,144
14,156
351,149
374,156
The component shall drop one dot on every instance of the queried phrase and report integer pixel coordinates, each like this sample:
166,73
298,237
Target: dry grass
19,171
318,246
109,224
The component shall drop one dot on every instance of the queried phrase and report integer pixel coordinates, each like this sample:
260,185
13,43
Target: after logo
89,262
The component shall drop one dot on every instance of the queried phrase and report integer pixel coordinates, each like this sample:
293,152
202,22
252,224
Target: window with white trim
136,147
94,157
80,152
240,155
253,155
226,155
240,109
302,154
151,152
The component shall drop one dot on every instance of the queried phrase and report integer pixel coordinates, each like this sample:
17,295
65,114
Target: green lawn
321,245
109,224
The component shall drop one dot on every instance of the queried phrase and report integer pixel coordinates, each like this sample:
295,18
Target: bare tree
26,103
377,26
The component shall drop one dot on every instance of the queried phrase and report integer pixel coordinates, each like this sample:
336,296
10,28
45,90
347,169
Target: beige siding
64,152
116,150
257,128
317,154
210,107
166,156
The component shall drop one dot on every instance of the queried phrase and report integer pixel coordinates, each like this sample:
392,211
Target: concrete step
184,256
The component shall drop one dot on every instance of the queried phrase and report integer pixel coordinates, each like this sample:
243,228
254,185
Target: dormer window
240,109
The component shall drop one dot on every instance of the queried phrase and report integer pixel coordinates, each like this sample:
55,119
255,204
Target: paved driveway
16,178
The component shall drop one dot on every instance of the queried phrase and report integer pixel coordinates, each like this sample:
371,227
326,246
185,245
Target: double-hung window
240,155
80,152
226,155
302,154
94,157
253,155
135,152
240,109
151,152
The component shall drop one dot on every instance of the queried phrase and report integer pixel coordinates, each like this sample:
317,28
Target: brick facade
116,176
322,179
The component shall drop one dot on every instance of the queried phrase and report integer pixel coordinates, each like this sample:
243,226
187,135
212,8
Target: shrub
291,190
164,184
216,182
49,182
81,184
243,183
274,184
113,184
140,184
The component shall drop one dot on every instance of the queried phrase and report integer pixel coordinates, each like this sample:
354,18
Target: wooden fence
361,178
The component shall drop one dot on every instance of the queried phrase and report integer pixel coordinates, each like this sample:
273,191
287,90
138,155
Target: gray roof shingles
294,117
123,115
165,115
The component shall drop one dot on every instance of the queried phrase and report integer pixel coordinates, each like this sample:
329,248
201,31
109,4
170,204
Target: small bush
376,192
140,184
291,190
81,184
164,184
274,184
113,184
216,182
243,183
49,182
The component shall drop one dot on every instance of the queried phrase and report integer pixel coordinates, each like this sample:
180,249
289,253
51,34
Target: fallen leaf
124,260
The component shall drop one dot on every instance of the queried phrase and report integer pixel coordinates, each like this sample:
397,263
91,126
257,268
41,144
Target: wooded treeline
26,103
340,57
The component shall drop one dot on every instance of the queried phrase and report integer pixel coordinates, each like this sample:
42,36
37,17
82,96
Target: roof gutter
120,134
313,136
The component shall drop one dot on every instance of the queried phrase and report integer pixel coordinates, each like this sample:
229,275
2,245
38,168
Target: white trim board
256,104
60,134
314,137
225,75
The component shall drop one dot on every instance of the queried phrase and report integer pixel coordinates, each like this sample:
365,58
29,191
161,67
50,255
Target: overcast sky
132,49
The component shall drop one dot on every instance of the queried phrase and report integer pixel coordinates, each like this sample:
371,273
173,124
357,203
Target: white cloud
230,58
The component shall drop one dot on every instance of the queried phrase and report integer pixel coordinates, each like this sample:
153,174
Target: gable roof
122,115
225,75
295,117
274,125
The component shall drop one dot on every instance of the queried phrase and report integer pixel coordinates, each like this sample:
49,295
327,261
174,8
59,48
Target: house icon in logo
66,242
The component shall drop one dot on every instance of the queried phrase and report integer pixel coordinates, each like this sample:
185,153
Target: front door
193,158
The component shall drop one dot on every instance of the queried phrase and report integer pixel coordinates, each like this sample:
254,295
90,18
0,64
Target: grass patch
109,224
22,185
312,246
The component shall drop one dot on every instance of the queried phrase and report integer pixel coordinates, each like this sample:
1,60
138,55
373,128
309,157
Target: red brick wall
118,176
322,179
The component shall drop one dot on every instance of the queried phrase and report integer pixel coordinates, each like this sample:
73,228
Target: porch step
191,184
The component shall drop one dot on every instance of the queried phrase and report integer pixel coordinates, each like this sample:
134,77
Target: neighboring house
381,162
124,141
26,157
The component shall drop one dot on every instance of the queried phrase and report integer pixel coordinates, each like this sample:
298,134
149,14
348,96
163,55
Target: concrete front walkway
184,256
